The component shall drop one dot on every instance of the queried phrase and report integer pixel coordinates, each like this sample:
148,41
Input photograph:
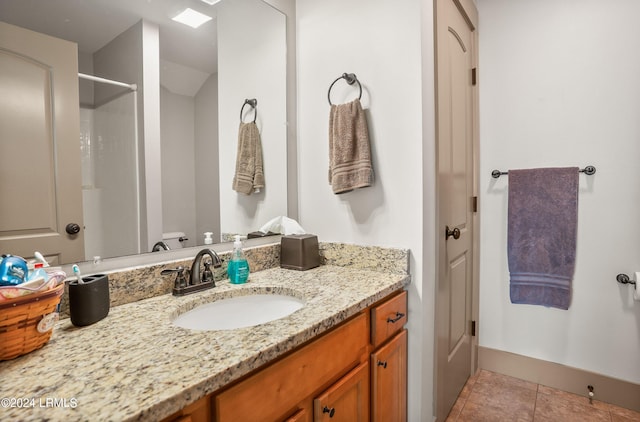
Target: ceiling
94,23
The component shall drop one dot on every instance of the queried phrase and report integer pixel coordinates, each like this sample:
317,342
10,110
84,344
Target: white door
456,117
40,176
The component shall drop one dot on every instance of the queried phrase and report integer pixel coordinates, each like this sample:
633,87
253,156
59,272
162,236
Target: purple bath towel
542,229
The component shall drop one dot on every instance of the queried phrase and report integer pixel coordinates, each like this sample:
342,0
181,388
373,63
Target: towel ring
351,78
253,103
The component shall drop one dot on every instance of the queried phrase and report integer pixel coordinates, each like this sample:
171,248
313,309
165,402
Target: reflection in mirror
176,134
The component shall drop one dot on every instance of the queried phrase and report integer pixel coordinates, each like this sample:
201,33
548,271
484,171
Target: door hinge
474,204
473,328
474,80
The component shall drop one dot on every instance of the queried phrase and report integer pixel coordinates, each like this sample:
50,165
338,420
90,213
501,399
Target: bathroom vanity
342,354
346,373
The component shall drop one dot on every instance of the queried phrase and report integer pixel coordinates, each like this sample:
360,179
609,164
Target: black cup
89,302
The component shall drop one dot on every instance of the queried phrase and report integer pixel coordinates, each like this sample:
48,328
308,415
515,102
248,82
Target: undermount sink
239,312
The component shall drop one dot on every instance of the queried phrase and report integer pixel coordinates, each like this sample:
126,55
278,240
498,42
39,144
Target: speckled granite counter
136,365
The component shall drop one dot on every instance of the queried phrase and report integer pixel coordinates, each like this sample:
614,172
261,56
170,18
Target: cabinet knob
330,410
382,363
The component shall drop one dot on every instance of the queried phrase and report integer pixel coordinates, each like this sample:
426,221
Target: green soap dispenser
238,268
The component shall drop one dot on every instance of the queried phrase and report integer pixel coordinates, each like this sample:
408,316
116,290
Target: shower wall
109,178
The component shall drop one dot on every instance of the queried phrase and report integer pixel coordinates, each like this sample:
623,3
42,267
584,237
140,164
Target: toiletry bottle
38,272
208,240
13,270
238,268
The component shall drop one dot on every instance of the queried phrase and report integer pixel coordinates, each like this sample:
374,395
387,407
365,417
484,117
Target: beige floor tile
557,407
572,397
491,412
618,414
466,390
499,380
492,397
456,410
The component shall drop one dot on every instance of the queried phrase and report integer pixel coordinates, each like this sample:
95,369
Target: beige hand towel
349,149
249,176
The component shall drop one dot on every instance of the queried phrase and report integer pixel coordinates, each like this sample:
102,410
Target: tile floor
493,397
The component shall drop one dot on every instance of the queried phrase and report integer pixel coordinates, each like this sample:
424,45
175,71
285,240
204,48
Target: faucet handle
207,274
181,278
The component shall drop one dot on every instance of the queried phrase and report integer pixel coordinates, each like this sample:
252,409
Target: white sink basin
239,312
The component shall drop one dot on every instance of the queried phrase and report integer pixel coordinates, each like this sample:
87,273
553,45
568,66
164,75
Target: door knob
455,233
72,228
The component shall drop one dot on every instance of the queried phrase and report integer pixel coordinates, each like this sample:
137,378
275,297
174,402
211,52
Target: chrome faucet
195,283
207,275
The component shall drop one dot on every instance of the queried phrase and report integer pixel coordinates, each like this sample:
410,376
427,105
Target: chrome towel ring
350,78
253,103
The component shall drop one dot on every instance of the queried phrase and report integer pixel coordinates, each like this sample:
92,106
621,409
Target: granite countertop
136,365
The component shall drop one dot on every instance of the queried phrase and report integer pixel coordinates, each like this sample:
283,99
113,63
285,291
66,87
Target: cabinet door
199,411
300,416
389,380
347,400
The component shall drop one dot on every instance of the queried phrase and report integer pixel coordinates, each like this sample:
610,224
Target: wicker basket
26,323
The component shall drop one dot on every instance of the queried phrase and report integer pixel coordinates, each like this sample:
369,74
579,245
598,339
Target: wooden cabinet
301,415
274,392
199,411
389,360
388,318
355,372
389,380
347,400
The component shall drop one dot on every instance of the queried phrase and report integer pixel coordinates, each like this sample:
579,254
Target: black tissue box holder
89,302
299,252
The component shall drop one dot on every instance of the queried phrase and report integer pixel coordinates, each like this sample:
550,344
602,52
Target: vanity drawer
388,318
272,392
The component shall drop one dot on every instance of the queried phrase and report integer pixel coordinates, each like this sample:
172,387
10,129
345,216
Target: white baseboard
607,389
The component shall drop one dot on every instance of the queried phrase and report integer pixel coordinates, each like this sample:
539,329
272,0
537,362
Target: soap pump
208,240
238,268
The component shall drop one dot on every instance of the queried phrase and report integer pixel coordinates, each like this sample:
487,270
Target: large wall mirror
158,159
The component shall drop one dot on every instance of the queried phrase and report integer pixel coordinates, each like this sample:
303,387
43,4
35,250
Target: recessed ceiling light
191,17
211,2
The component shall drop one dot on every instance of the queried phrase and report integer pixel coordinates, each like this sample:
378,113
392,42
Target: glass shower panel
110,178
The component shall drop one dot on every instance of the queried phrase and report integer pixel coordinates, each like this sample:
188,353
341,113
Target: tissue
636,287
283,225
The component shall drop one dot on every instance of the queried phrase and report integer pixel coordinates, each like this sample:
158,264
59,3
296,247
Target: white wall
379,41
559,86
206,160
252,64
177,118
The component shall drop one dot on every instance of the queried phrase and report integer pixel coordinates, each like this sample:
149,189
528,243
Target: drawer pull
399,316
331,411
382,363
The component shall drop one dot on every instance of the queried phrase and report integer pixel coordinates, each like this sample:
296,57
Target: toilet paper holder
624,279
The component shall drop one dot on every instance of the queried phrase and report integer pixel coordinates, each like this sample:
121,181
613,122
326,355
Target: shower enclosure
110,173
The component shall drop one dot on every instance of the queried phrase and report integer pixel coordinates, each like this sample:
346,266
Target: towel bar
588,170
351,78
253,103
